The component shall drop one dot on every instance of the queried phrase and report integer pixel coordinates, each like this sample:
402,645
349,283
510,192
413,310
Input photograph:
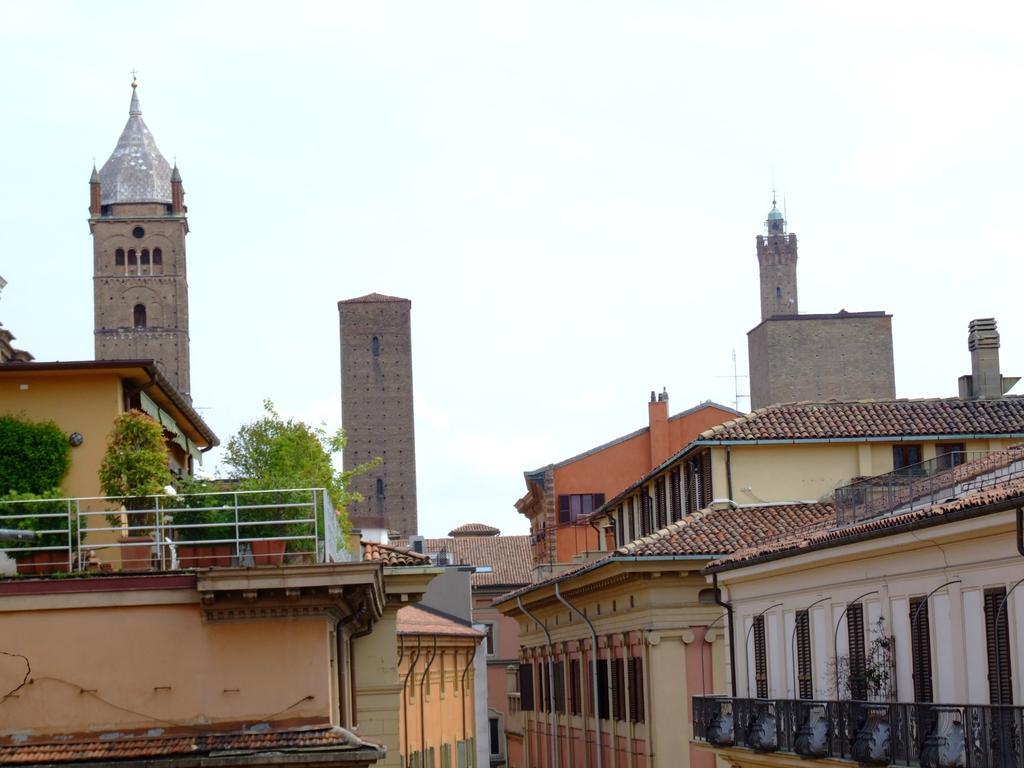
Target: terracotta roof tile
1002,494
474,529
710,532
875,418
391,555
509,557
176,744
421,620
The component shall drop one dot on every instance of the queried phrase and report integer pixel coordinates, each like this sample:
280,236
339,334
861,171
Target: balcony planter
944,746
871,744
202,524
721,731
268,551
200,555
812,736
136,553
762,735
42,563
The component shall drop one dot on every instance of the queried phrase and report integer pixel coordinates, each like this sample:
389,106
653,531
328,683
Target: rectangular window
602,688
495,734
632,520
950,455
574,506
858,657
804,667
706,490
559,673
636,690
620,527
677,495
997,637
618,690
659,498
575,690
921,649
760,658
906,457
526,686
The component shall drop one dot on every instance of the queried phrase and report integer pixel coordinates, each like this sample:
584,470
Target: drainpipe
423,677
593,673
732,637
728,471
551,679
704,641
405,698
792,645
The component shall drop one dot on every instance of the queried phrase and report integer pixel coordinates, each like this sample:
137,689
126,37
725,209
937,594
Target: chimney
657,420
985,382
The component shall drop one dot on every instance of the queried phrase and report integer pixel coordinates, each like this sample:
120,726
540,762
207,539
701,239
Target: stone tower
376,407
137,217
776,255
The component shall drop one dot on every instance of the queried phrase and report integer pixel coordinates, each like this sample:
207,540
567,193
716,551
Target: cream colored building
895,638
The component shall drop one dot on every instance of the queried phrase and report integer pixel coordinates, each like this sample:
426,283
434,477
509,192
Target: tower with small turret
776,257
137,217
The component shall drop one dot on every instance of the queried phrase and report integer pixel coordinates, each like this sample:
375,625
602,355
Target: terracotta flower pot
204,555
136,553
42,562
268,551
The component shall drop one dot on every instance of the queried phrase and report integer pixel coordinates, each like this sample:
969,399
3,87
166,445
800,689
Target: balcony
928,482
872,733
171,532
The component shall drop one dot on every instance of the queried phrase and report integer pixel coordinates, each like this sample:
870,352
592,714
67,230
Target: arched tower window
158,256
139,315
145,255
119,257
375,345
132,261
380,486
778,291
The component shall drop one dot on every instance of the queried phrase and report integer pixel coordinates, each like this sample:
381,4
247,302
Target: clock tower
137,217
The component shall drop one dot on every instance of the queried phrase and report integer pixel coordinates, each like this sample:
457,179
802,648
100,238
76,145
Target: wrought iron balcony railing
874,733
172,532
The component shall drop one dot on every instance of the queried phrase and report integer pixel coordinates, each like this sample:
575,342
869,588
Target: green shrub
34,455
202,502
13,505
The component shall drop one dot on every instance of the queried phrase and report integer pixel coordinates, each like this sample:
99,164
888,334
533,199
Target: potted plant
134,469
204,526
50,551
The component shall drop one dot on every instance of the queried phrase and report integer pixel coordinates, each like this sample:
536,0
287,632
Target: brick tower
776,255
376,406
138,224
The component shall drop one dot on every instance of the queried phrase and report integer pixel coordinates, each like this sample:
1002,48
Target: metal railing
876,733
171,532
928,482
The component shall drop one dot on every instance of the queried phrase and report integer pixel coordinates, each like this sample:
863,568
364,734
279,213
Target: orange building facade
560,497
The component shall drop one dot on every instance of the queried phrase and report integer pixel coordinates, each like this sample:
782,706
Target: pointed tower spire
136,172
134,109
95,177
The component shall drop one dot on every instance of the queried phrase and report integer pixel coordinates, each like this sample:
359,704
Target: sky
568,192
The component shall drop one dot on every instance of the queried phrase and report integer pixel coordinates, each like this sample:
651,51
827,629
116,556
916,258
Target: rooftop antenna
736,376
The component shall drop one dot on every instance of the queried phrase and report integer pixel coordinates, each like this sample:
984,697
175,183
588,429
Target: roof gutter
551,681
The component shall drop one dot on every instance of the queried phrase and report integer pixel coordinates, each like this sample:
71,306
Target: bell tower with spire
137,217
776,256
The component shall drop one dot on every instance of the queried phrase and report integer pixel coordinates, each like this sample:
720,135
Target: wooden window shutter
636,691
662,516
707,495
632,520
760,658
559,686
858,656
676,495
997,635
526,686
804,668
602,689
563,508
618,690
598,501
575,703
921,650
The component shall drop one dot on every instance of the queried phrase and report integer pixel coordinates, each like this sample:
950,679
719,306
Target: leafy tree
34,456
135,464
272,453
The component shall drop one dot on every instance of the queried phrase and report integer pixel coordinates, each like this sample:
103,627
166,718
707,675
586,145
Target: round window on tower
138,233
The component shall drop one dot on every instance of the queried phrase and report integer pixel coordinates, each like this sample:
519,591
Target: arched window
119,257
376,346
131,257
778,291
158,256
140,315
145,255
380,487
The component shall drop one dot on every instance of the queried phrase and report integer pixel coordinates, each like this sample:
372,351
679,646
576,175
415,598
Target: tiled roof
875,418
174,745
474,529
421,620
710,532
1002,495
392,556
509,557
372,298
